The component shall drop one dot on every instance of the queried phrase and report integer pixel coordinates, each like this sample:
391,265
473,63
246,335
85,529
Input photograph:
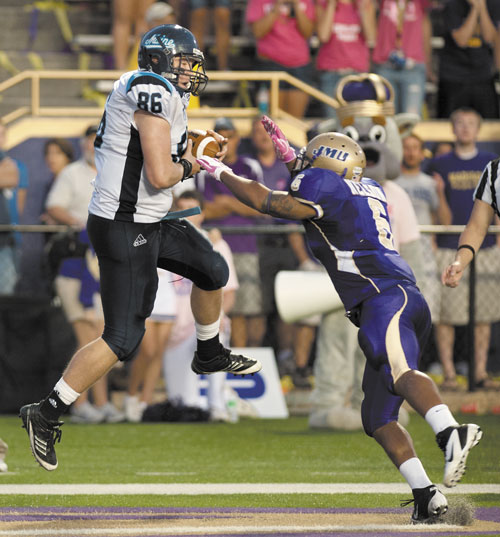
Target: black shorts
129,254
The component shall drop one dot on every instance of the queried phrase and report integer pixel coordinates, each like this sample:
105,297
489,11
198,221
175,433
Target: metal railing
35,108
433,130
258,229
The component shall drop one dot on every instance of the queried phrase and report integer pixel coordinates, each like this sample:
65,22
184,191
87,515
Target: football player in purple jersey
348,229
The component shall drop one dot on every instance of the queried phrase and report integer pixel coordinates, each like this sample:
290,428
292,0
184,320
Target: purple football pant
395,325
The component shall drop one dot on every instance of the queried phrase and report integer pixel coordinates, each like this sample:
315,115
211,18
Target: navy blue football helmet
162,44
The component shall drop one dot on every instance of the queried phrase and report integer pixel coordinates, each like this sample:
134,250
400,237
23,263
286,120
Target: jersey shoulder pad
147,78
317,184
152,93
306,185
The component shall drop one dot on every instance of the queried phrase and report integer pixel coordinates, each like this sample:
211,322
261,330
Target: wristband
188,168
219,170
469,247
268,202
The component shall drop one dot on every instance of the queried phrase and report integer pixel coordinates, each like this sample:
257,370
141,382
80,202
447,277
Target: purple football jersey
353,237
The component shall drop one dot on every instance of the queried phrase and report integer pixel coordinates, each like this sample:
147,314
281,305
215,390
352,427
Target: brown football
203,144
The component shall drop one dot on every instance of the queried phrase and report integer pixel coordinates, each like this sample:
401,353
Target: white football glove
213,166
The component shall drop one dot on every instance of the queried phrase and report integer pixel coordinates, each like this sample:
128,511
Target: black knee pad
216,275
220,271
125,347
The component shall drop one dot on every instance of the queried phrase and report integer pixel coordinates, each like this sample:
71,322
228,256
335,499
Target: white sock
414,473
65,392
439,418
207,331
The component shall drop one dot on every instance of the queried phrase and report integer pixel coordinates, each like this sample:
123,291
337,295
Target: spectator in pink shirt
282,29
346,30
402,51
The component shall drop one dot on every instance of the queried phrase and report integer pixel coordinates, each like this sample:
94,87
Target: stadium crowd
320,41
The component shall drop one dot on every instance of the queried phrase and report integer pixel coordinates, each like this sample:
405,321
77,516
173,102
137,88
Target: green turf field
251,451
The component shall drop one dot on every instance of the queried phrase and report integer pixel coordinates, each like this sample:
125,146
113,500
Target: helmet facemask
197,77
162,63
301,163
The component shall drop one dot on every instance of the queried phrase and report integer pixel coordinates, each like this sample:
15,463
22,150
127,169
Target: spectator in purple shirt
461,171
223,209
286,251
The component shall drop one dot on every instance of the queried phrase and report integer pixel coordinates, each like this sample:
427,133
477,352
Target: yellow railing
433,130
36,108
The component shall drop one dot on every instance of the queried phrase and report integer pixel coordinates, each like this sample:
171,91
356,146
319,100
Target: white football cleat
456,443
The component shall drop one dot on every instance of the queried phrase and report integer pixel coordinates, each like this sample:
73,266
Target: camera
289,8
397,59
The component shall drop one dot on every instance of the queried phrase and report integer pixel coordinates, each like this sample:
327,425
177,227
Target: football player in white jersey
142,151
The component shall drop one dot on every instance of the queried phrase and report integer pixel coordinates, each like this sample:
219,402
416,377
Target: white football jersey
121,189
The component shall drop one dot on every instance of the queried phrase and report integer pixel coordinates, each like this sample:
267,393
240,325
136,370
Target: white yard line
182,530
195,489
165,473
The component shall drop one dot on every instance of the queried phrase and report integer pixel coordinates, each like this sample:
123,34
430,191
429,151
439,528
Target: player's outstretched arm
470,241
274,202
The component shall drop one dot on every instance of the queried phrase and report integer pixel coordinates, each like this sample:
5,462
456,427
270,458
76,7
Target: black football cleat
429,505
42,434
237,364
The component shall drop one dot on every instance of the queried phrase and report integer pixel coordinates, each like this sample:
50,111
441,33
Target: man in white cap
160,13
